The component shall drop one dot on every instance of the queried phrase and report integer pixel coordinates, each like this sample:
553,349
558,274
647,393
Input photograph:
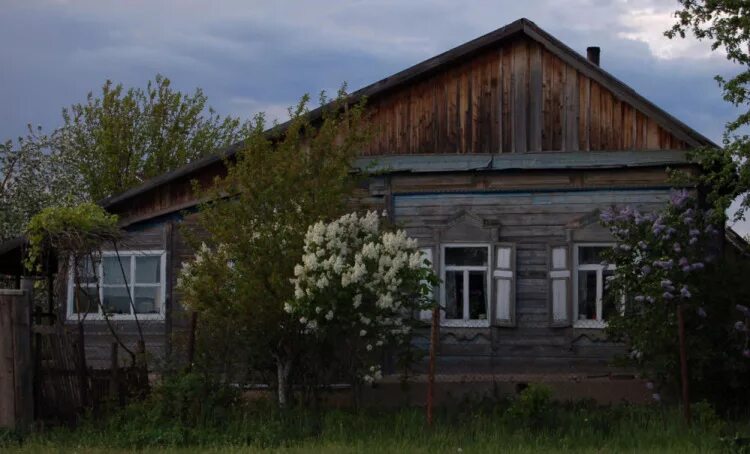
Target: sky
260,56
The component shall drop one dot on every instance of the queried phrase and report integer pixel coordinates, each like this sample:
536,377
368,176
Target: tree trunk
283,368
683,364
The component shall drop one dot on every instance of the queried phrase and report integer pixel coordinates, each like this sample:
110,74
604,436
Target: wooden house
497,156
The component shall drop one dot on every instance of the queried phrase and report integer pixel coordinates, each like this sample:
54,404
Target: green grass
528,424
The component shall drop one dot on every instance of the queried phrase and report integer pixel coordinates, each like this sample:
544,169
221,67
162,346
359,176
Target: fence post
16,367
114,381
83,386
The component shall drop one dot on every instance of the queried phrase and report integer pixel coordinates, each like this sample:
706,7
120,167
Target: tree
107,145
256,216
669,274
357,287
32,177
726,25
122,138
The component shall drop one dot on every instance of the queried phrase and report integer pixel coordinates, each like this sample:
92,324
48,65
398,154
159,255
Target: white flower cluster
355,278
193,271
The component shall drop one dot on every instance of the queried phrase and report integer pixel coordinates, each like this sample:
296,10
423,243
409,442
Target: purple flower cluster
678,198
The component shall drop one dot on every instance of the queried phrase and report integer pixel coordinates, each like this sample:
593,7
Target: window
128,285
465,275
592,308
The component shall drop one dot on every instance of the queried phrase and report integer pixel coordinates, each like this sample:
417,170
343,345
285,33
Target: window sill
465,323
590,324
116,318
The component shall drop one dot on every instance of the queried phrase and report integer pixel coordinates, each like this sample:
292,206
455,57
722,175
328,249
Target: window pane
116,300
608,306
85,300
454,294
587,295
86,274
477,295
113,273
591,255
147,270
466,256
147,300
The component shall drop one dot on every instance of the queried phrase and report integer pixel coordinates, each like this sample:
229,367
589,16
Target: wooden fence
16,371
65,387
43,371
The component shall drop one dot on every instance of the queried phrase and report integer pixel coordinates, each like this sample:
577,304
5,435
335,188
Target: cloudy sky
252,56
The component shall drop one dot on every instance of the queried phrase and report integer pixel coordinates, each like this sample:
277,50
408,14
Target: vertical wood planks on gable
595,123
652,135
571,107
584,112
507,73
535,98
520,96
516,97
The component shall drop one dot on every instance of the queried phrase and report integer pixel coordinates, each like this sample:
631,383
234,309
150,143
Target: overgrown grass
530,423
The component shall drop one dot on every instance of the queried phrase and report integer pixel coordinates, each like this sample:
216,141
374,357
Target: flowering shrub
659,255
359,287
665,260
208,277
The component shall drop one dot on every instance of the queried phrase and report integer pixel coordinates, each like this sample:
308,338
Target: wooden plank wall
98,336
533,222
516,98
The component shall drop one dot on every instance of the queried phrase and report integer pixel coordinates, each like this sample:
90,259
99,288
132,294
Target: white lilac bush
358,287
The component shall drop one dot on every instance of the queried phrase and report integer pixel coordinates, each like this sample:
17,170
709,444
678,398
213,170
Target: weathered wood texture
16,365
533,221
167,198
518,97
99,337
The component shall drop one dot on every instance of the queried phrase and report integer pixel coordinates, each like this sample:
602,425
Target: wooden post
37,375
141,366
16,365
191,340
81,372
684,365
434,339
114,379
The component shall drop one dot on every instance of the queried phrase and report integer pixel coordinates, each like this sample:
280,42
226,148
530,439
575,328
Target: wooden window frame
598,323
466,322
131,255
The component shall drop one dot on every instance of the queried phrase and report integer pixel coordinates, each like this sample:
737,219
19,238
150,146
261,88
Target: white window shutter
503,285
559,276
427,254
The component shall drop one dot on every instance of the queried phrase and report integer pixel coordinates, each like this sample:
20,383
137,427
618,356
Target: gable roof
521,27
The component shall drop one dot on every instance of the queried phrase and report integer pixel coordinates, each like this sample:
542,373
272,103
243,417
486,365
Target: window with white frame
465,275
122,285
592,308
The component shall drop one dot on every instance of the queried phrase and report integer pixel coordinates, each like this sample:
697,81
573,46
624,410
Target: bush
531,409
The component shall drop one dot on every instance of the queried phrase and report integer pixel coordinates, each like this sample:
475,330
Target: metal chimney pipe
592,54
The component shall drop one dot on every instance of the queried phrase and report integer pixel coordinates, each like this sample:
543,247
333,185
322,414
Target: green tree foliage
106,145
666,261
726,25
123,137
256,217
75,232
32,177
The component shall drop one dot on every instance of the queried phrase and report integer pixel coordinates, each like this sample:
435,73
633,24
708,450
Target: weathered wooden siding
99,337
533,221
515,98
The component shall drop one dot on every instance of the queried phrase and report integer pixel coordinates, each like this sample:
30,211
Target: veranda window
592,308
127,285
465,285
